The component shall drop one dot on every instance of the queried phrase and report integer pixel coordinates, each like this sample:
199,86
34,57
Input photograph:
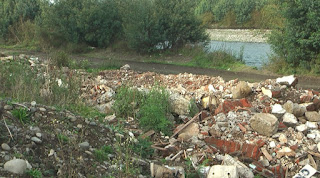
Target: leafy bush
61,59
298,42
160,25
143,148
243,10
153,112
95,23
127,101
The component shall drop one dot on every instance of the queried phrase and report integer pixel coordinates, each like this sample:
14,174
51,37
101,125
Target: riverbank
239,35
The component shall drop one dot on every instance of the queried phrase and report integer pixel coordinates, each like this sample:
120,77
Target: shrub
243,10
102,153
61,59
298,42
143,148
161,24
153,112
127,101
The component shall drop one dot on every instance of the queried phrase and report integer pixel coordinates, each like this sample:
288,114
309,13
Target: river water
254,54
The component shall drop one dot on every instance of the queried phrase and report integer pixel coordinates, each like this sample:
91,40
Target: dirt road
304,82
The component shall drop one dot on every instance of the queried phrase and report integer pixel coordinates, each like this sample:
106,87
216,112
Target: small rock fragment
289,119
264,124
36,140
312,116
242,90
16,166
5,147
84,145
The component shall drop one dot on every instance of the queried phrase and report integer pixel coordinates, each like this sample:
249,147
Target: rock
283,139
318,147
16,166
39,135
125,67
277,109
312,125
272,144
42,109
312,116
36,140
179,104
111,118
289,119
264,124
242,90
106,108
209,101
266,92
218,171
301,128
33,103
84,145
5,147
188,132
288,80
294,108
8,107
286,151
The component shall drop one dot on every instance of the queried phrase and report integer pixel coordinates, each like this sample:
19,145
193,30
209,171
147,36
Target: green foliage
243,10
221,8
153,112
21,114
61,59
102,153
13,12
161,24
298,42
193,108
127,101
63,138
34,173
95,23
219,59
143,148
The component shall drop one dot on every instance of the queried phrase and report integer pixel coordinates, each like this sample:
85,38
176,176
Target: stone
283,139
188,132
36,140
84,145
33,103
312,116
272,144
242,90
311,125
16,166
277,109
301,127
264,123
318,147
125,67
287,80
39,135
5,147
106,108
42,109
286,151
209,101
8,107
289,119
179,104
266,92
294,108
218,171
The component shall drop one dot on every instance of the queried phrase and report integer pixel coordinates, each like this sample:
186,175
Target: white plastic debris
306,172
219,171
287,80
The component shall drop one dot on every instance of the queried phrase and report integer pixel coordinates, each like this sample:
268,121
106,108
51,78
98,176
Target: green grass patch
21,114
102,153
63,138
143,148
34,173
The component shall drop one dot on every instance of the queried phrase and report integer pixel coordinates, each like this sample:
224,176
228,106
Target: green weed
102,153
35,173
193,108
21,114
143,148
63,138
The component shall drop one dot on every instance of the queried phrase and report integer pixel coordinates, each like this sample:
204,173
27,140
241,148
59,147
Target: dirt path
304,82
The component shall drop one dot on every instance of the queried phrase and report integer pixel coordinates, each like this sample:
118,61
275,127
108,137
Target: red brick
306,99
205,133
267,109
244,148
282,126
276,93
255,153
315,92
232,147
260,143
249,153
238,146
245,103
294,147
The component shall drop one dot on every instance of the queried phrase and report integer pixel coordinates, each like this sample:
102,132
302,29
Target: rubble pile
270,128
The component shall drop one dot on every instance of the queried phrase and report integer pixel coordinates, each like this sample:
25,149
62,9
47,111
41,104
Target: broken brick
229,105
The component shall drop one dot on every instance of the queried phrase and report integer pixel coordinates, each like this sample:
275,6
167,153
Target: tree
298,42
151,25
